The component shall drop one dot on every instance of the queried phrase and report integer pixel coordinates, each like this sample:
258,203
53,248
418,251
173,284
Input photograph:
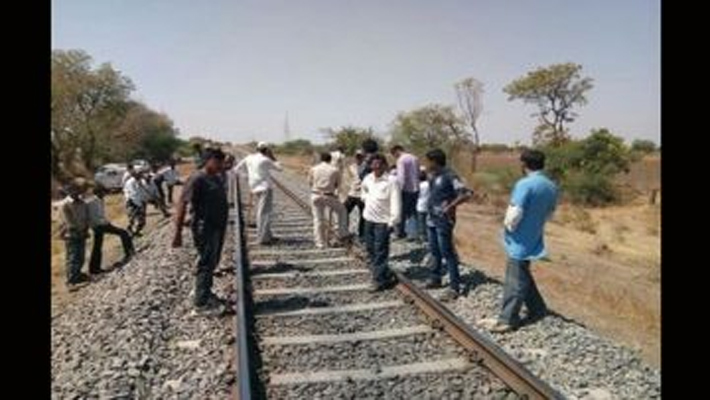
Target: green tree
555,90
349,137
86,103
586,168
643,146
429,127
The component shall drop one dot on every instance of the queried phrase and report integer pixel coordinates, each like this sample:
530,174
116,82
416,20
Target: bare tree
469,93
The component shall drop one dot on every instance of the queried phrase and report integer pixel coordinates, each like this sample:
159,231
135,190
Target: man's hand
450,212
177,241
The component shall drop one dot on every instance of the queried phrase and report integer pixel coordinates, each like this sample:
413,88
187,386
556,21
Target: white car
141,165
110,176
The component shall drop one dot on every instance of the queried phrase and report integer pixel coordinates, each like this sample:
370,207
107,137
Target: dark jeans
377,243
136,216
75,248
96,250
520,289
170,193
209,241
421,225
441,246
161,193
409,210
350,203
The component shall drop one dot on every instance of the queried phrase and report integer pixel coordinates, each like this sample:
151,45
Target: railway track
307,326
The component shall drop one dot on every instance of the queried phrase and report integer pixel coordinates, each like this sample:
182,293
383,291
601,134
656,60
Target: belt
322,193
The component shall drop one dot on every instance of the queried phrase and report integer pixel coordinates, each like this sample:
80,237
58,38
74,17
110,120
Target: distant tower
287,130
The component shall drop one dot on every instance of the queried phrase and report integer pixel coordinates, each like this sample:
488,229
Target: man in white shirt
382,197
258,167
136,203
127,174
324,180
337,159
171,179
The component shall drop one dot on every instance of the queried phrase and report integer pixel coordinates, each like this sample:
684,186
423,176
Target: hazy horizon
231,70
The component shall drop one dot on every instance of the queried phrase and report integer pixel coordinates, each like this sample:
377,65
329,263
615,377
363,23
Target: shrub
590,189
643,146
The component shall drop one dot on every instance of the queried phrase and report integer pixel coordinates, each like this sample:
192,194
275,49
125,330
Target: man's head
228,161
396,150
100,191
262,147
326,157
214,161
378,164
129,168
77,187
172,163
359,156
532,160
435,160
370,146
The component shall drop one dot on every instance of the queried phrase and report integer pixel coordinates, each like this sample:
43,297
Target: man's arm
464,194
514,213
240,165
63,221
183,201
395,204
400,171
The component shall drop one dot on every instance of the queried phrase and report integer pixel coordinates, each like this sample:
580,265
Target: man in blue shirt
446,192
532,203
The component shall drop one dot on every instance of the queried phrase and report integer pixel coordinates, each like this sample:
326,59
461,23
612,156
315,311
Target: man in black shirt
208,199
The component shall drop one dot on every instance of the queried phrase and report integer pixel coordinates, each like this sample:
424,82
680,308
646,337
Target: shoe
449,295
97,271
375,287
214,298
128,257
532,318
74,286
272,241
213,307
501,327
432,284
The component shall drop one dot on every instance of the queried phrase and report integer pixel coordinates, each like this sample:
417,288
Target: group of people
83,210
419,203
143,188
406,201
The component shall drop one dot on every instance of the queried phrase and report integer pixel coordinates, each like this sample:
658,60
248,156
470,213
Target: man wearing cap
74,230
258,167
136,202
324,180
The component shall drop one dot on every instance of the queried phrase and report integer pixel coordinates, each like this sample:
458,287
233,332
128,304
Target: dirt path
604,269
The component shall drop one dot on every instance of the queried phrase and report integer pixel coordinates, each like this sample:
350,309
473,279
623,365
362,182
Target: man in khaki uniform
74,230
324,180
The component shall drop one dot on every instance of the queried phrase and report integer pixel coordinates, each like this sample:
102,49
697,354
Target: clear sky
231,69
